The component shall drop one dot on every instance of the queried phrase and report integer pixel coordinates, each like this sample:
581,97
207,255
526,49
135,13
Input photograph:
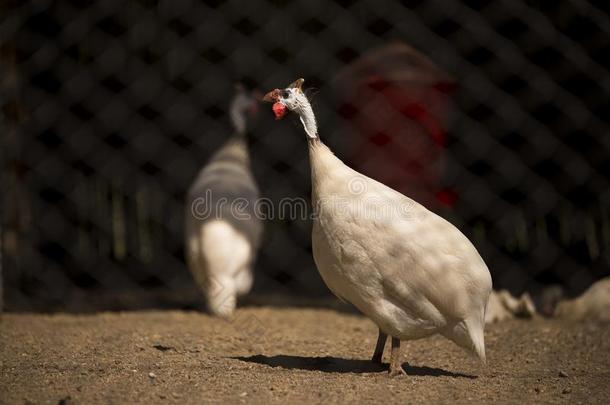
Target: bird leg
395,365
379,348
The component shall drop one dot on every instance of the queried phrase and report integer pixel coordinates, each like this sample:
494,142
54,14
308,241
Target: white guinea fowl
593,304
410,271
222,232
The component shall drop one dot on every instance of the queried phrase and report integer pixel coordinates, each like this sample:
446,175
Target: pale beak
273,96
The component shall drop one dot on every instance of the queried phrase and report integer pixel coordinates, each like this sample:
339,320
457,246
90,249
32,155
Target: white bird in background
410,271
593,304
502,306
222,231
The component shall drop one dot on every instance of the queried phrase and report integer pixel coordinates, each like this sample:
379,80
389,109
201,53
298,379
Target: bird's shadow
336,365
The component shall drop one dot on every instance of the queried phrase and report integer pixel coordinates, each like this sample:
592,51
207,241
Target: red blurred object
279,110
446,197
397,103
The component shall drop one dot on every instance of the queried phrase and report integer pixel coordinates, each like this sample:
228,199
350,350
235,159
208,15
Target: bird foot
396,371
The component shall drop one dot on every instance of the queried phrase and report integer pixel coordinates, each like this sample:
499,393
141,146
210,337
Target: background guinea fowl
222,231
409,270
592,305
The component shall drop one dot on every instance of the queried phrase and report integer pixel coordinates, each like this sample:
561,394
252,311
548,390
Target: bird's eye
284,93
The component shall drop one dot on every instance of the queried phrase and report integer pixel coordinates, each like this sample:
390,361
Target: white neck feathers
237,112
308,119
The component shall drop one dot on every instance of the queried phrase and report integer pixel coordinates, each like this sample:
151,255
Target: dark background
109,109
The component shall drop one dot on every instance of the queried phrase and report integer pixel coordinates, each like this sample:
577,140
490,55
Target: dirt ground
271,355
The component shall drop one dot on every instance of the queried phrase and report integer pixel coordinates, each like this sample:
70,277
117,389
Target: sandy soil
271,355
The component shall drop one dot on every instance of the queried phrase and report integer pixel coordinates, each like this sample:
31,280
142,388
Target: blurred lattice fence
109,108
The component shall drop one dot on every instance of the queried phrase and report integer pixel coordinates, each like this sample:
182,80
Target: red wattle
279,110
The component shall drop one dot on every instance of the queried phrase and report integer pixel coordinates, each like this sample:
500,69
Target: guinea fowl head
243,106
292,98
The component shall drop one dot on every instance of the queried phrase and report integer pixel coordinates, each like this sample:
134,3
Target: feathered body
222,231
406,268
410,271
593,304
